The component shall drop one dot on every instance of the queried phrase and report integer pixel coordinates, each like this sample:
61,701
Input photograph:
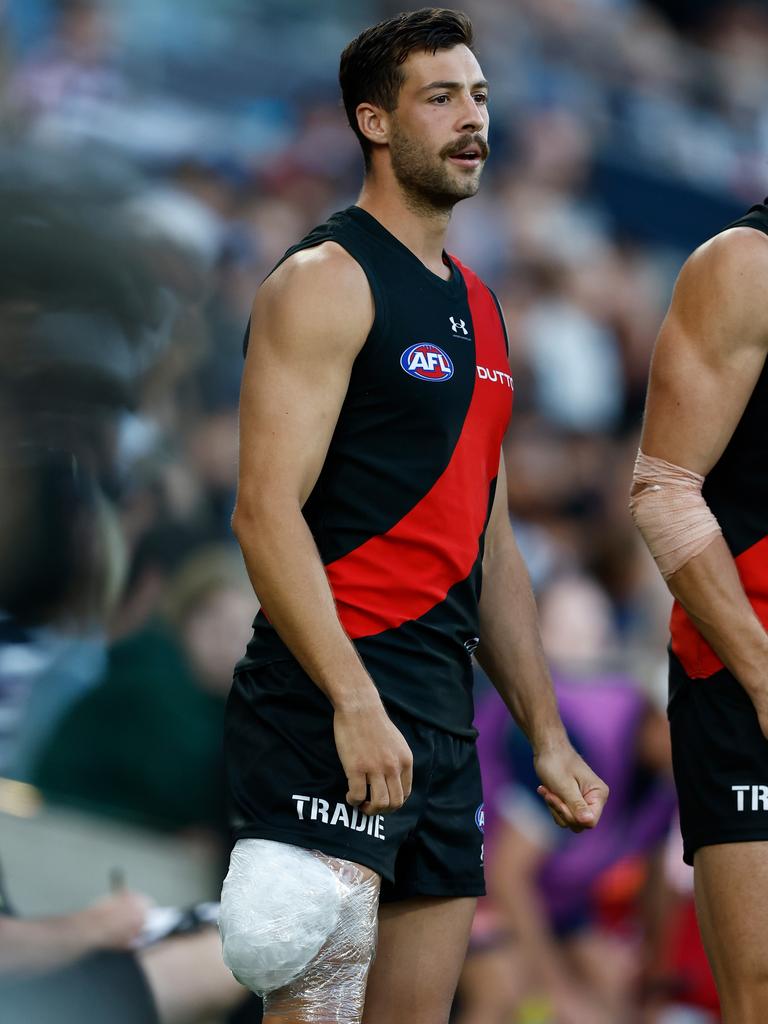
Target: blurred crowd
159,157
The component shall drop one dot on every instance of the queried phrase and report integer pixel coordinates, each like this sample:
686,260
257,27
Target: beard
426,178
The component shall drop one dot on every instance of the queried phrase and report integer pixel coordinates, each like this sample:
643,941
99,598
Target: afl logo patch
480,817
427,362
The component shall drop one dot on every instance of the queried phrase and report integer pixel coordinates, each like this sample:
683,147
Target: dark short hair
371,66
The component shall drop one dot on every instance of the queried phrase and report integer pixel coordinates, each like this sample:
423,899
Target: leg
188,978
492,986
607,967
732,906
332,987
422,944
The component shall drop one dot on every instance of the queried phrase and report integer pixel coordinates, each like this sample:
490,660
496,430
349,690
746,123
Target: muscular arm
309,322
511,654
708,356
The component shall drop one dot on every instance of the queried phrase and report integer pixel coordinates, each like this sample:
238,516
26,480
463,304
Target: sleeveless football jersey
400,509
736,489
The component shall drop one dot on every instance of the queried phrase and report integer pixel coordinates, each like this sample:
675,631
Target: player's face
439,131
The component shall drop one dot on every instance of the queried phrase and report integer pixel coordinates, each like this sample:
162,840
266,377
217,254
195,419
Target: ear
373,122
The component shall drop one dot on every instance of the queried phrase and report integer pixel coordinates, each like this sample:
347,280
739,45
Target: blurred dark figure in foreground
85,307
81,315
74,329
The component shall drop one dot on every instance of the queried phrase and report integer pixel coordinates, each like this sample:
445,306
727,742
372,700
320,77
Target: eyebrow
453,86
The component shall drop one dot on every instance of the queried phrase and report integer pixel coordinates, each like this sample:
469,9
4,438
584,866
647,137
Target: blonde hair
209,569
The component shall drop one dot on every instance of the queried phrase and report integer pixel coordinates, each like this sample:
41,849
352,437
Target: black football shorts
720,759
287,784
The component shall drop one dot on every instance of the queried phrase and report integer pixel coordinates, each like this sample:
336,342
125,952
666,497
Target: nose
471,117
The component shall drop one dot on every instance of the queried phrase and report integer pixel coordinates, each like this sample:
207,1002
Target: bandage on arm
670,512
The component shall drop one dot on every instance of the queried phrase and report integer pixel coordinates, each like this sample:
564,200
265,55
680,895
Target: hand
573,793
115,922
374,755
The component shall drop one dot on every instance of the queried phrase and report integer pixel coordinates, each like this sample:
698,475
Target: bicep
708,356
288,409
300,355
694,403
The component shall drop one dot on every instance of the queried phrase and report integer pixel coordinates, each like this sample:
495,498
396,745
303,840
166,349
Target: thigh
421,949
732,905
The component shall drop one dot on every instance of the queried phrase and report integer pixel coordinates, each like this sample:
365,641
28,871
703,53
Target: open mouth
470,157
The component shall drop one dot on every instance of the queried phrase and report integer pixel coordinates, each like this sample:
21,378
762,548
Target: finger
572,796
396,797
378,800
595,799
561,819
406,780
565,816
563,811
357,789
557,818
553,801
594,793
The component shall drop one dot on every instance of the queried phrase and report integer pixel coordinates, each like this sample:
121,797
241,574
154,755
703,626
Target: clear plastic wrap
299,928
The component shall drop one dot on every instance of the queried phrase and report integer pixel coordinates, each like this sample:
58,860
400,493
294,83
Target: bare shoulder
323,266
717,307
316,293
741,250
728,275
710,351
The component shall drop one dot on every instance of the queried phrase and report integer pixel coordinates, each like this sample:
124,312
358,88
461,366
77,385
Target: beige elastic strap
670,512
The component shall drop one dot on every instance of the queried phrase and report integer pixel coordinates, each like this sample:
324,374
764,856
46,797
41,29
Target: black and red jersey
400,509
736,490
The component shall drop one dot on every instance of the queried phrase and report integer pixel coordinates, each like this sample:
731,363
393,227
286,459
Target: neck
421,228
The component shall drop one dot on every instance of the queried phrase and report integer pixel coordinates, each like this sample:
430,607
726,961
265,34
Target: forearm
710,590
45,944
288,575
510,650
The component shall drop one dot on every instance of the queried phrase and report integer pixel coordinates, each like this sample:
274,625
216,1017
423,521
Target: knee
296,924
279,904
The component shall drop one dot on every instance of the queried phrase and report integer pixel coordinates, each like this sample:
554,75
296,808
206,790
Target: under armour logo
458,325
